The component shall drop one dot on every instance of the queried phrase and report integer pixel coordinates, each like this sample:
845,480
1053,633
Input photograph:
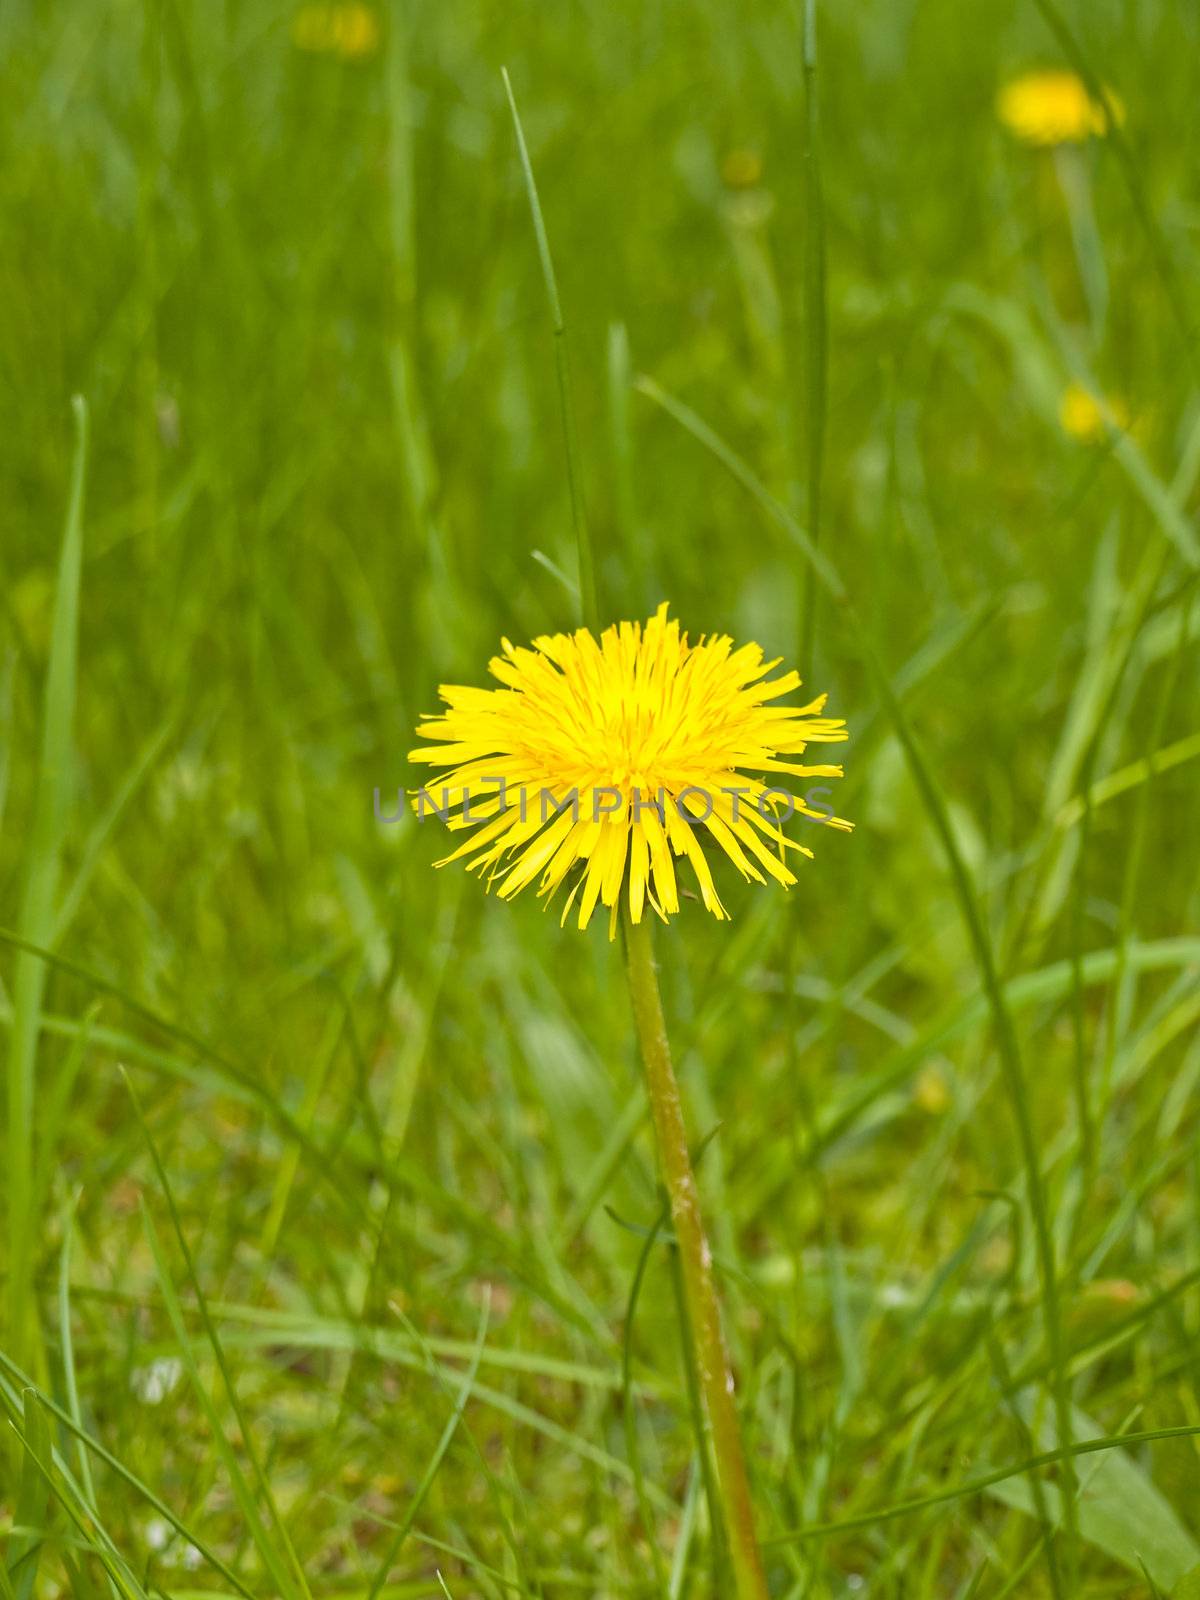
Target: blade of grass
276,1569
36,924
637,552
1037,1489
67,1347
319,1333
589,604
92,1537
106,825
815,386
410,411
816,327
7,681
320,1063
1115,784
309,1331
496,1490
9,1396
687,1532
1075,183
700,1428
628,1412
1134,856
421,1592
976,1485
31,1512
55,1105
435,1461
1128,631
287,1572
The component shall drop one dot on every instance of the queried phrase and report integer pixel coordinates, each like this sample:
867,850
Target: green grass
370,1298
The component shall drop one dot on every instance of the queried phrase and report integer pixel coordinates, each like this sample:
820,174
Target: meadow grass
334,1260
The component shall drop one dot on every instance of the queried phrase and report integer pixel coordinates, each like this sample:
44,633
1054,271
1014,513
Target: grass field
332,1261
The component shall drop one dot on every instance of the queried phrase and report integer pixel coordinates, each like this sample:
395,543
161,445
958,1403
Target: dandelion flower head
602,764
1054,107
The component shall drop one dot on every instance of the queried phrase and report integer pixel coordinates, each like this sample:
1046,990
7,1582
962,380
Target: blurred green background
286,255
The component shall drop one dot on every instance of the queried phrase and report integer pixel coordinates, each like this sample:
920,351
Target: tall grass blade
435,1461
286,1571
67,1348
89,1535
984,1481
636,550
47,834
589,603
628,1404
816,356
31,1512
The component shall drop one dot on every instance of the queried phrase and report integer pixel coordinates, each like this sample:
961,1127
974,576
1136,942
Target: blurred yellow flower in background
350,30
741,169
1085,417
931,1092
1054,107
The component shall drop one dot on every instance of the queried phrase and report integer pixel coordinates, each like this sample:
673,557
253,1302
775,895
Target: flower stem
708,1342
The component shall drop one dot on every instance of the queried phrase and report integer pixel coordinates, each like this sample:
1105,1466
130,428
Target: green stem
708,1341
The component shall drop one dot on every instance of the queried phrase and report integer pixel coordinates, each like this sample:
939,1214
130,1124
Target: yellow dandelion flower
1085,417
1049,108
601,762
349,30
